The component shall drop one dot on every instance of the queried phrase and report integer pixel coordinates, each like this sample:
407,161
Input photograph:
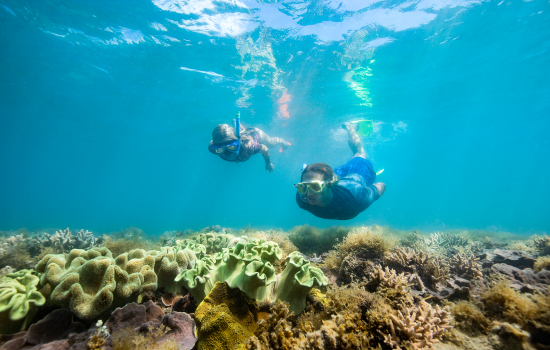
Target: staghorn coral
19,300
249,267
418,327
65,240
444,240
225,319
345,330
432,269
395,287
466,266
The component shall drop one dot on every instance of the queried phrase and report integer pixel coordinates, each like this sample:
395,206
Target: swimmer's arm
265,152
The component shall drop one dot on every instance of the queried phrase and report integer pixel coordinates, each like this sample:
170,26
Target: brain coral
19,300
249,267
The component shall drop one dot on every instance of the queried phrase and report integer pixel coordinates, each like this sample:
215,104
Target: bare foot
381,187
348,125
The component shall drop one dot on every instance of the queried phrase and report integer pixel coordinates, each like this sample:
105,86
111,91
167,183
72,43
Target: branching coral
445,240
344,330
65,240
431,268
466,266
419,326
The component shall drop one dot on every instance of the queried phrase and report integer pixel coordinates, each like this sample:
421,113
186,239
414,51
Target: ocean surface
107,109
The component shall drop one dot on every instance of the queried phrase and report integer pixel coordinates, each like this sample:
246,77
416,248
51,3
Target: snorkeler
343,193
239,144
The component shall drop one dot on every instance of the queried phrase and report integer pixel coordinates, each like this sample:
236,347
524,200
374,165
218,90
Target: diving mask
315,186
232,147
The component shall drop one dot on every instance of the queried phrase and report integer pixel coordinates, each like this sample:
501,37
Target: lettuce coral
19,300
249,267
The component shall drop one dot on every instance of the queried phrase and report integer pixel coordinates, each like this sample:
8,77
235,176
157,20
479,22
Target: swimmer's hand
269,167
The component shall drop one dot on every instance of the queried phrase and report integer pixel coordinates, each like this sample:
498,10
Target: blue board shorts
358,165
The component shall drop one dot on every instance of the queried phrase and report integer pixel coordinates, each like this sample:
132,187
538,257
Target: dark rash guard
353,193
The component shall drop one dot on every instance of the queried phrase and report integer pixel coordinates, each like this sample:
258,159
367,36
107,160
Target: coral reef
249,267
14,252
366,243
465,266
381,295
542,263
312,240
418,327
19,300
226,318
469,317
65,240
542,244
57,325
212,242
445,240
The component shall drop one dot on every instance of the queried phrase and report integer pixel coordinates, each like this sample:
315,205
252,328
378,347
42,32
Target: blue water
107,109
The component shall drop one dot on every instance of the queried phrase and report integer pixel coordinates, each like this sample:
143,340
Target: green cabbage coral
19,300
249,267
207,243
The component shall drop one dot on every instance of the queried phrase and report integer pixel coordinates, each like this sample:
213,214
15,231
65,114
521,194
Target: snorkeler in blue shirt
343,193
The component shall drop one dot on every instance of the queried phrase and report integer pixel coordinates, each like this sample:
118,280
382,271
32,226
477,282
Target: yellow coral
225,319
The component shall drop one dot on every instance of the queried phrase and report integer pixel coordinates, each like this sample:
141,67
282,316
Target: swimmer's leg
354,141
271,142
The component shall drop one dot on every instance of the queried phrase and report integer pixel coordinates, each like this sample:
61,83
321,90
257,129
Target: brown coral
466,266
419,327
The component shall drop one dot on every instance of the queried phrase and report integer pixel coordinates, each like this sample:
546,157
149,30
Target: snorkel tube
238,126
235,153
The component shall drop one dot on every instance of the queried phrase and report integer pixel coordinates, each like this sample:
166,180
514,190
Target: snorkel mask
233,147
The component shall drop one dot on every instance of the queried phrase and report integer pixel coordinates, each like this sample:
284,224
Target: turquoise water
107,109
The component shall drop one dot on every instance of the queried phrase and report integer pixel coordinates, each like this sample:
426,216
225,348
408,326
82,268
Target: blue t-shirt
353,193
